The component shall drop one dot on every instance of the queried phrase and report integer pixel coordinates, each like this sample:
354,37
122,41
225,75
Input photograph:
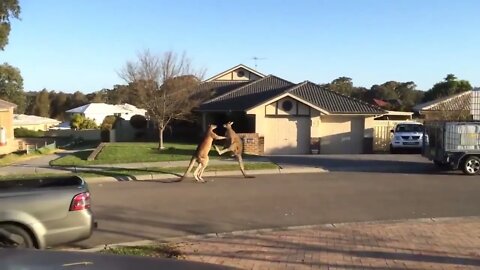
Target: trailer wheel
471,165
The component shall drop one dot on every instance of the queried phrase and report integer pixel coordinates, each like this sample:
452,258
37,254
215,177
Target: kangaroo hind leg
197,170
242,168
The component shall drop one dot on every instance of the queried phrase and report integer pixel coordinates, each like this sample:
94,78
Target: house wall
6,121
342,134
233,76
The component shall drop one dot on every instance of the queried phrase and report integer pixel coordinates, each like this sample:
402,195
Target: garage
288,135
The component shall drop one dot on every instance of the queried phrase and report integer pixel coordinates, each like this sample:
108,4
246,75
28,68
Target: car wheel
471,165
19,238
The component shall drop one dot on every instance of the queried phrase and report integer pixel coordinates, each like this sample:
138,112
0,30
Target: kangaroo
234,144
201,154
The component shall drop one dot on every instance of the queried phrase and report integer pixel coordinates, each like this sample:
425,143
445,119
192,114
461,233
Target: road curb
186,238
150,177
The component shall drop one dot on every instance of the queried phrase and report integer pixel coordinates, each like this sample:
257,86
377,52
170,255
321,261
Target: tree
108,122
165,85
42,104
58,105
342,85
76,100
11,86
448,87
8,9
79,121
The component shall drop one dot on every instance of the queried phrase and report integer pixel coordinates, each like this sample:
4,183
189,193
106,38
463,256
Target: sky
81,45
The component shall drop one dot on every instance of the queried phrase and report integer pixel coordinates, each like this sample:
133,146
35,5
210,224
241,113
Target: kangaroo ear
230,123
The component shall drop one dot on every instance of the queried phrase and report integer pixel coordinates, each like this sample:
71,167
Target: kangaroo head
228,125
212,127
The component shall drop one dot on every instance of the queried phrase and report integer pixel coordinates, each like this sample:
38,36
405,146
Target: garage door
288,135
342,135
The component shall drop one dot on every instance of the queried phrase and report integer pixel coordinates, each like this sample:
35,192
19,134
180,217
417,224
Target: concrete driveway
376,163
136,210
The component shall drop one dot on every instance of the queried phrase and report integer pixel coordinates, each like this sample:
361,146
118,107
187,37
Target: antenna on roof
256,59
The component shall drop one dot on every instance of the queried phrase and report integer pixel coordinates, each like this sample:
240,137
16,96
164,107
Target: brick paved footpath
448,243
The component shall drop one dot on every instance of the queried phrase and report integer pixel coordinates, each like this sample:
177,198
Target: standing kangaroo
201,154
234,144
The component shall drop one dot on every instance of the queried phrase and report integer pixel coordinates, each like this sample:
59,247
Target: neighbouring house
276,116
462,106
396,116
7,140
98,111
33,122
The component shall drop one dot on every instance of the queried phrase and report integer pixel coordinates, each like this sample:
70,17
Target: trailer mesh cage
446,136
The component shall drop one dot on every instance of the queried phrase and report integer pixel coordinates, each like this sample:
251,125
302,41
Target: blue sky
79,45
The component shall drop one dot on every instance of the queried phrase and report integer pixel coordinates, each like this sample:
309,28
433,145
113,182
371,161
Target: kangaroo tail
190,167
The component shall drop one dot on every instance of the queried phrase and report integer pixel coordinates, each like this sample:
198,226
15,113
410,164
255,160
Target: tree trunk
160,139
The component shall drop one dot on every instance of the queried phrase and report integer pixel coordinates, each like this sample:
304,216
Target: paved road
408,163
129,211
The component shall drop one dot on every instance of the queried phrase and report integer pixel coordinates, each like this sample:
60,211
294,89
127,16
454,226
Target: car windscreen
409,128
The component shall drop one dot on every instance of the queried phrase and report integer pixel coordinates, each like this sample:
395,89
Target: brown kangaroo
201,154
234,144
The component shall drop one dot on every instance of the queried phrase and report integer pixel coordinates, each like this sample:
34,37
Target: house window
287,105
240,73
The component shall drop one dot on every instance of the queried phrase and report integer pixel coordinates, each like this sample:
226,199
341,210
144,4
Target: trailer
453,145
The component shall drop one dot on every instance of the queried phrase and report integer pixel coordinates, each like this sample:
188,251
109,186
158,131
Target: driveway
379,163
129,211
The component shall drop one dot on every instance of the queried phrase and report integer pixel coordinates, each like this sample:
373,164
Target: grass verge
156,251
124,172
115,153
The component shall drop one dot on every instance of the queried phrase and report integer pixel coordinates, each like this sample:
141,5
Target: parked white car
406,136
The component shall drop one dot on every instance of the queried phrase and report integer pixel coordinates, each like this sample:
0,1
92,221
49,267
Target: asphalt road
129,211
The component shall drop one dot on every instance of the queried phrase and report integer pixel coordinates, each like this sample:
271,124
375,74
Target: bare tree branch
166,85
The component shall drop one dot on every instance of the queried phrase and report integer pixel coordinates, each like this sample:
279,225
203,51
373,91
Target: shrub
26,133
138,121
80,122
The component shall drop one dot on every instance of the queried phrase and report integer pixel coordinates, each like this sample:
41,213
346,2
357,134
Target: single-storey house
7,140
33,122
98,111
461,106
289,118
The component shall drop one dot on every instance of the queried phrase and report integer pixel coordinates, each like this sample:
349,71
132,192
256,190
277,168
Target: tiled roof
217,88
331,101
456,102
6,105
247,96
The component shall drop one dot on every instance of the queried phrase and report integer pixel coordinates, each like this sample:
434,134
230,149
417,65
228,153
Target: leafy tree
79,121
449,86
42,104
342,85
58,105
8,9
108,122
166,86
11,86
76,100
138,121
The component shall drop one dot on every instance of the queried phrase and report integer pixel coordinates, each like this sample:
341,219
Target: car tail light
80,202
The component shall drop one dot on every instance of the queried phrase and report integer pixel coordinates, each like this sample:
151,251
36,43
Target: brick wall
253,143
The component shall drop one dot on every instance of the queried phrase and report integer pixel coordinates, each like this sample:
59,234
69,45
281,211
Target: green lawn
115,153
